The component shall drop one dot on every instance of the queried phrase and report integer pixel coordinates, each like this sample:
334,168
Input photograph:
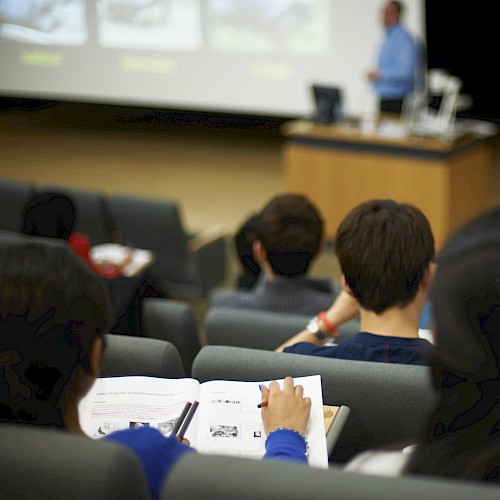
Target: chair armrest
205,238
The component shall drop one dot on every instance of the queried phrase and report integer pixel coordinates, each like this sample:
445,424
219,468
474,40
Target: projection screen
256,57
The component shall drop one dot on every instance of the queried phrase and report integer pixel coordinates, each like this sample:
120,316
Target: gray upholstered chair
41,463
184,265
258,329
389,403
14,195
226,478
127,355
91,212
13,237
174,321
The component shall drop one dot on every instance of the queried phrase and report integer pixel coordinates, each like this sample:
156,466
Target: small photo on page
224,431
138,425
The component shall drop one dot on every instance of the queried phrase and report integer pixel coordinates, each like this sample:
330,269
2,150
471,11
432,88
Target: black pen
187,420
181,418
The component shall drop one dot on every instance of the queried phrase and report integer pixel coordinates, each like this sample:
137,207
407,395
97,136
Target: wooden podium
339,166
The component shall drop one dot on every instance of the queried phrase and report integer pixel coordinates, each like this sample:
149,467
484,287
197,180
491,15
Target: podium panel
339,168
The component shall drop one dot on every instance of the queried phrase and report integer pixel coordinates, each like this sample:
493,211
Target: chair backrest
389,403
91,212
154,225
40,463
184,265
226,478
13,237
174,321
258,329
14,196
126,355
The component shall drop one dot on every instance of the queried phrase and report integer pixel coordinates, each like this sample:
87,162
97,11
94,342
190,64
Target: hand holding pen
285,408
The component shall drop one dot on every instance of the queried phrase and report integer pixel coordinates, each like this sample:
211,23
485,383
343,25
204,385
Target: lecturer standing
395,74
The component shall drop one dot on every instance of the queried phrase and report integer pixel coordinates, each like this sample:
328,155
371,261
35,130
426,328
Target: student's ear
345,286
96,356
259,252
428,274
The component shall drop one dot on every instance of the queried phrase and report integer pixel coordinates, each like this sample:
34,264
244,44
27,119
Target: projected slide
156,25
263,26
44,21
242,56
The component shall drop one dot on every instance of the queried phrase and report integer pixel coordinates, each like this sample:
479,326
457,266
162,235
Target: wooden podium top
386,134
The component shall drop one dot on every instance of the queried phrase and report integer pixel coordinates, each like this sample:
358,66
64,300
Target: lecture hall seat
38,463
388,402
185,265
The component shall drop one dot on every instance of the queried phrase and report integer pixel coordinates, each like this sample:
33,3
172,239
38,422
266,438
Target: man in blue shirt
385,251
395,75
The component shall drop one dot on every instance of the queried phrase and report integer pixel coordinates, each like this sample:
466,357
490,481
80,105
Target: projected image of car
137,11
44,21
157,25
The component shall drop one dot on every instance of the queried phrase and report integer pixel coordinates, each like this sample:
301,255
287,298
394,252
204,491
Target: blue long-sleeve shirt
158,454
396,64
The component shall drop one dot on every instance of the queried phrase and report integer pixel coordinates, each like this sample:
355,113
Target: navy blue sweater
369,347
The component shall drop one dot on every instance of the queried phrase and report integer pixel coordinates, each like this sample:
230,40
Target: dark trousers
391,105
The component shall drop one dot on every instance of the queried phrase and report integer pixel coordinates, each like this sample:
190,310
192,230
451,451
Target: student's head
462,436
290,232
384,250
52,308
49,214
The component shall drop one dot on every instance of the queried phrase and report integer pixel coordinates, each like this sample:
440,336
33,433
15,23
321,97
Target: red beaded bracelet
328,325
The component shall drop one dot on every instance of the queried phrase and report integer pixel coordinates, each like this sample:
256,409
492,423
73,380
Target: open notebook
228,420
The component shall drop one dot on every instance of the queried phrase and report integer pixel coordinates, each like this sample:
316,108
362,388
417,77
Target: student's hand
286,408
184,441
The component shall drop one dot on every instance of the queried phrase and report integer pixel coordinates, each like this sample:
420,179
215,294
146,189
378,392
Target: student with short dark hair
461,438
288,237
385,250
54,312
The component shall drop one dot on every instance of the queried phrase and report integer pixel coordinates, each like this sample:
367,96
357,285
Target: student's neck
393,322
268,272
71,420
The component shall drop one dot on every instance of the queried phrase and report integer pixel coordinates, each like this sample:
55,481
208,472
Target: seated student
53,313
462,435
53,215
289,235
385,251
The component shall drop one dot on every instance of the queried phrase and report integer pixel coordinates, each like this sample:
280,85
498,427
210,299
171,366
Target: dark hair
291,230
49,214
399,6
52,307
384,248
243,240
462,437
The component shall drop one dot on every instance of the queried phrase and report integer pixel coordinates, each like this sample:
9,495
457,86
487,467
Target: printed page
229,420
116,403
